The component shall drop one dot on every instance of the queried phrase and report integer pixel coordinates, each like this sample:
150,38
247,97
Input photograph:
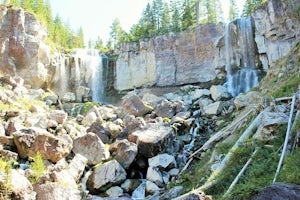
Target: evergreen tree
175,16
189,14
165,19
211,11
251,5
116,33
28,5
233,10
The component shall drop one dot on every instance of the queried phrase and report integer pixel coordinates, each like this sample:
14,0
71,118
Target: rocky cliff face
23,49
172,59
277,29
198,55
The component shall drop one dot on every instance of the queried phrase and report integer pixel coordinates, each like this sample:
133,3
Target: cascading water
240,56
88,71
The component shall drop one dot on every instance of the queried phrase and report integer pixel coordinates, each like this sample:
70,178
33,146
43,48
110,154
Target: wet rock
58,115
279,191
91,147
219,93
162,161
153,139
130,185
154,175
172,193
56,191
21,187
124,151
133,105
105,176
33,140
165,109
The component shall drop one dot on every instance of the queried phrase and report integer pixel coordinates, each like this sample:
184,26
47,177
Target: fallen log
288,130
223,133
235,181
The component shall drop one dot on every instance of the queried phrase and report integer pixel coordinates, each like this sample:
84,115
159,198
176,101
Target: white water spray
240,57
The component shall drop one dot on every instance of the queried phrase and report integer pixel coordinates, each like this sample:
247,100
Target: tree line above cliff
158,17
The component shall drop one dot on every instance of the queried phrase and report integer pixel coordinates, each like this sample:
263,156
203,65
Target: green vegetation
87,106
288,88
5,177
290,172
38,168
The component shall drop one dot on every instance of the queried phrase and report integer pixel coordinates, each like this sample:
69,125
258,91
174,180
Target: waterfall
88,71
240,56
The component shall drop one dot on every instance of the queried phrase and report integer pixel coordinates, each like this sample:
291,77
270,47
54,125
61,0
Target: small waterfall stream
240,56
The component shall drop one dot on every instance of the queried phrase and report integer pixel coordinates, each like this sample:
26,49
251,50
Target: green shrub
290,172
5,183
38,168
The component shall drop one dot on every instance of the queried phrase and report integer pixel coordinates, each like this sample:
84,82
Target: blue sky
96,16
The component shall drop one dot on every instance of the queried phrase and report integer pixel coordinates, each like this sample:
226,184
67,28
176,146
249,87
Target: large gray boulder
21,187
153,139
105,176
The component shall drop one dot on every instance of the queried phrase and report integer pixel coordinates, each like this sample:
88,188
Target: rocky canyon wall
198,55
171,59
23,49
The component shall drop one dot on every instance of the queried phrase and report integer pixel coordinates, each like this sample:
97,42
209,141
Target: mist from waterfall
240,56
88,67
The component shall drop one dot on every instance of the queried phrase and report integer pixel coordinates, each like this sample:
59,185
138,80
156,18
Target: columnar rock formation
198,55
169,60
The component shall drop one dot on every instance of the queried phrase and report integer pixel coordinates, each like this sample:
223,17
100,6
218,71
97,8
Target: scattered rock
124,151
91,147
105,176
213,109
133,105
33,140
165,109
58,115
21,187
153,139
162,161
219,93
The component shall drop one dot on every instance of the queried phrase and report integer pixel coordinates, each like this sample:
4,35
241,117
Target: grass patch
259,174
288,88
290,172
87,106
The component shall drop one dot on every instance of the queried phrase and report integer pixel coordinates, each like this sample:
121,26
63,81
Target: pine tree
175,16
189,14
233,10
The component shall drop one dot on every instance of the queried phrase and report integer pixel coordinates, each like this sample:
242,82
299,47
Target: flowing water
240,56
88,71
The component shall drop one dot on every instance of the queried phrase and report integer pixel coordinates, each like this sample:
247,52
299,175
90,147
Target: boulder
279,191
103,133
154,175
33,140
56,191
151,188
91,147
165,109
162,161
69,97
198,93
114,191
59,116
105,176
132,123
152,99
21,187
130,185
133,105
124,151
245,99
213,109
172,193
153,139
219,93
89,119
